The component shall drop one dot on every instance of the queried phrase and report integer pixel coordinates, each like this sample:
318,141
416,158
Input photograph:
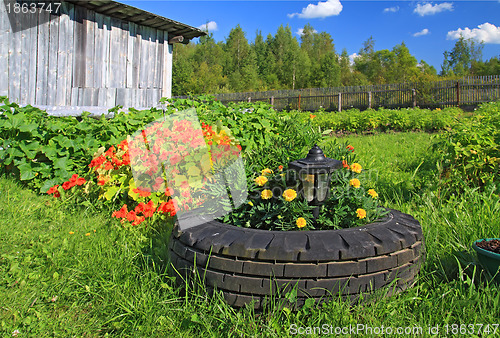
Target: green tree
459,60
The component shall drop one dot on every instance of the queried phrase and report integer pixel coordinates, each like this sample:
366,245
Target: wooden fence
467,91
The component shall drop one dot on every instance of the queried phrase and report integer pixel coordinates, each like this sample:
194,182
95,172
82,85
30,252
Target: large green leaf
110,192
61,163
28,127
29,148
26,171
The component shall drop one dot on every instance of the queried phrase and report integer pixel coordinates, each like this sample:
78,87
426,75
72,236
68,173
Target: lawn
74,271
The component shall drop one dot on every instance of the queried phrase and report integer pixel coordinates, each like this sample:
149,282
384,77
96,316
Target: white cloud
300,31
424,31
321,10
352,57
486,32
392,9
429,9
209,26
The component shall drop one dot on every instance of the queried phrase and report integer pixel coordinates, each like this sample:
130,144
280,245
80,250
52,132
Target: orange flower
142,193
52,189
311,116
301,222
87,234
350,148
361,213
372,193
261,180
345,165
355,183
266,194
289,195
266,171
280,168
356,167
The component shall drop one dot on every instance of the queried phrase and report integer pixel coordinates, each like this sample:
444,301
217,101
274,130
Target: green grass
113,282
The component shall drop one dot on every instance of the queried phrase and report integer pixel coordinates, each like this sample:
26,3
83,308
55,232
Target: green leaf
26,171
28,127
110,192
30,148
47,185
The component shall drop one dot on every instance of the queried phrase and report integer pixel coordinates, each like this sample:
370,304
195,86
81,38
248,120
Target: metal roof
141,17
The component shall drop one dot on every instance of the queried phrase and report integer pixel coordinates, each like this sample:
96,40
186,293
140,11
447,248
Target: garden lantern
314,174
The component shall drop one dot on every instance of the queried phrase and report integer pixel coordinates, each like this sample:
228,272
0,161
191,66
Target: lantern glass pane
323,187
307,186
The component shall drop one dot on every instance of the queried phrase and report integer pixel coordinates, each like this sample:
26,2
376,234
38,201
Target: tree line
280,61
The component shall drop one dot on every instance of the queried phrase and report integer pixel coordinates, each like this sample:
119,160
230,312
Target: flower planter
250,264
488,259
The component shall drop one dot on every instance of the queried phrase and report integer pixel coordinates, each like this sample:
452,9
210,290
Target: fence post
458,93
414,97
369,100
340,102
272,101
249,99
299,101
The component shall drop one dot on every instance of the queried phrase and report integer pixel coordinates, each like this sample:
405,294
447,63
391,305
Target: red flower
169,191
138,220
131,216
108,166
67,185
350,148
140,208
344,164
73,178
110,151
57,194
52,189
149,209
142,193
121,213
80,181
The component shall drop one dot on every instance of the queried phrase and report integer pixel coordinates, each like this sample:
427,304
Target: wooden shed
97,53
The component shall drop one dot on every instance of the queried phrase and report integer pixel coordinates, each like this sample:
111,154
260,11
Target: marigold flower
87,234
266,171
356,167
261,180
372,193
266,194
355,183
289,195
350,148
301,222
280,168
71,232
345,165
311,116
361,213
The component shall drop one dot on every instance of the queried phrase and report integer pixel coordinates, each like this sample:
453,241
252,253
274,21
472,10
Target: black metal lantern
314,174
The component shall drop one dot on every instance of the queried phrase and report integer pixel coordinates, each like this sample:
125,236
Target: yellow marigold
356,167
301,222
266,171
261,180
361,213
266,194
87,234
372,193
355,183
289,195
71,232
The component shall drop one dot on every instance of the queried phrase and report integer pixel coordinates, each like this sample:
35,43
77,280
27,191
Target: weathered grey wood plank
24,58
5,37
106,43
62,61
80,45
99,51
114,74
101,96
122,54
90,96
122,97
130,52
32,58
15,54
159,60
153,50
110,97
80,96
90,27
74,96
53,48
167,70
136,59
42,58
145,44
69,25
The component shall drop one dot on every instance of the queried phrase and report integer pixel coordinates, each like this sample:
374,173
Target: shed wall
82,58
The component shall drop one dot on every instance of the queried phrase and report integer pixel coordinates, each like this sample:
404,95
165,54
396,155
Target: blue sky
427,28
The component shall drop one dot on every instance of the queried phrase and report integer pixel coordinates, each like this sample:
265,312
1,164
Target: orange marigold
266,194
361,213
355,183
301,222
356,167
261,180
289,195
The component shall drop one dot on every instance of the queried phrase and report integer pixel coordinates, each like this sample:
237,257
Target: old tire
250,264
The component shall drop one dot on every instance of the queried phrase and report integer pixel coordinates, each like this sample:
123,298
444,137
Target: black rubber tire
250,264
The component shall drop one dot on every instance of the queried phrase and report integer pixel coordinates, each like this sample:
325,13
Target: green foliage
381,120
44,150
471,150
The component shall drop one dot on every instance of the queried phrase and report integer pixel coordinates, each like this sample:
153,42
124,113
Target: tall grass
114,281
